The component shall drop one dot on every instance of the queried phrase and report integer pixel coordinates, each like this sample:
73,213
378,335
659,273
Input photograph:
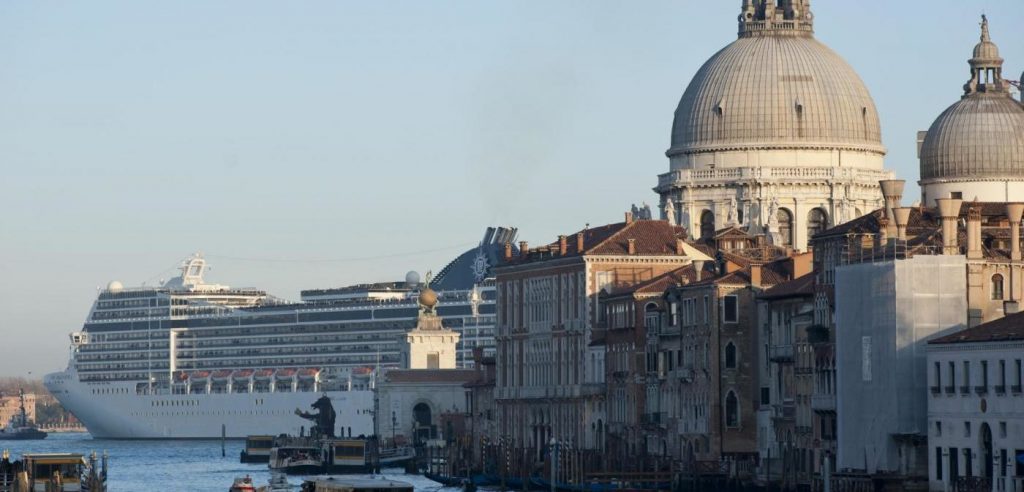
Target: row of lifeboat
246,374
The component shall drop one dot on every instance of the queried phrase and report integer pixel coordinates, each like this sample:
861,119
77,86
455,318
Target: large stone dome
980,137
776,89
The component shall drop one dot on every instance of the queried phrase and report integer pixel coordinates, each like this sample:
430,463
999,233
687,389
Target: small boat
298,456
53,472
332,484
257,449
19,428
243,484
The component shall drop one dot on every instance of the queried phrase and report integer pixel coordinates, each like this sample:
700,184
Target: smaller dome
114,287
981,136
428,298
412,279
986,50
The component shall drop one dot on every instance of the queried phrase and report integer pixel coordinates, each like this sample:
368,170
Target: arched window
817,222
997,287
732,410
730,356
785,220
707,225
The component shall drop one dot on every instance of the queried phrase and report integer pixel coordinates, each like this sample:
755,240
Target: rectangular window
965,387
1017,376
967,429
766,396
1002,377
954,464
1002,462
707,314
968,463
1019,454
938,463
937,386
952,378
730,309
984,374
938,428
433,361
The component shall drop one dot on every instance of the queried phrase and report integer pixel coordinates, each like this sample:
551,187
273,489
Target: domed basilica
975,149
776,134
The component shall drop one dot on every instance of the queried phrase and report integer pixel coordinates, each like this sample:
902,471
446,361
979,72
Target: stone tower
430,345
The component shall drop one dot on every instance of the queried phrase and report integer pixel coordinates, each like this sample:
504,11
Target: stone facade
549,304
11,406
976,407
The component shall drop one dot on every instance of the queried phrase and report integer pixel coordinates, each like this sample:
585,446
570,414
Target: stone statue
645,212
732,211
670,212
842,212
323,419
773,211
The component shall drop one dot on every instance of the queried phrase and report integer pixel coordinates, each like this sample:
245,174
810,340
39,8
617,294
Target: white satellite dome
115,286
412,278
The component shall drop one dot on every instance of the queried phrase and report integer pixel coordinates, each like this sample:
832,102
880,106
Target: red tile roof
651,238
800,287
1008,328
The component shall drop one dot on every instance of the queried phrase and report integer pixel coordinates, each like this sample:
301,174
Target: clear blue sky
134,133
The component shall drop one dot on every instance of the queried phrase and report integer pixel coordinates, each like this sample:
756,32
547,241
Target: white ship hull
115,411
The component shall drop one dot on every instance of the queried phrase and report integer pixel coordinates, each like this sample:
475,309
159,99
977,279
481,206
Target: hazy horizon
350,142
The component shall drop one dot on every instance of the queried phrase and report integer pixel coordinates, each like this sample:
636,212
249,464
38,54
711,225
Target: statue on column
731,216
670,212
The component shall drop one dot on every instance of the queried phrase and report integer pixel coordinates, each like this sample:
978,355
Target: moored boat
19,427
257,449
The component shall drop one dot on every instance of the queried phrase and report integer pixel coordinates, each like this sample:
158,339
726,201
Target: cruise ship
194,360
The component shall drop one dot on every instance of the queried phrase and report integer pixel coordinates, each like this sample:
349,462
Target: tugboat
19,428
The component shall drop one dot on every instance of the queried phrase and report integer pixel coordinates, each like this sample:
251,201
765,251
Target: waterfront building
976,408
714,323
797,418
549,313
10,405
775,133
413,401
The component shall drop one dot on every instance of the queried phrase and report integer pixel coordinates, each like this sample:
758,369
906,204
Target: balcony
981,390
1015,389
782,354
823,403
804,430
965,390
950,390
654,418
936,390
785,413
1000,389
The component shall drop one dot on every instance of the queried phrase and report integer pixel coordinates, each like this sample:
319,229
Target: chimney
524,249
579,243
629,217
892,191
755,275
902,215
508,251
632,246
563,245
949,211
1014,211
680,250
698,265
974,233
882,238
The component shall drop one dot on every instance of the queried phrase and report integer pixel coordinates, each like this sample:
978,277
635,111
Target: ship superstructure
189,359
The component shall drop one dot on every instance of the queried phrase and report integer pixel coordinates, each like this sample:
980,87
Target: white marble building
775,132
976,407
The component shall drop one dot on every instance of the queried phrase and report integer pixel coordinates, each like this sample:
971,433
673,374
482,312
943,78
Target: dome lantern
986,65
766,17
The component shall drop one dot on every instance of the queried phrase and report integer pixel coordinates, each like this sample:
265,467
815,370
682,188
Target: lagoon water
178,466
